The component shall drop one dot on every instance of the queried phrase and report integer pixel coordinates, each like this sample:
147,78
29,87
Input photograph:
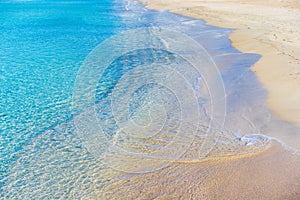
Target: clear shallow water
43,45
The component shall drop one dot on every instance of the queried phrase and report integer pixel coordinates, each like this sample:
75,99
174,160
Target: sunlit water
42,46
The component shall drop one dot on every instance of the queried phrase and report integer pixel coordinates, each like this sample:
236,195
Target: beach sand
273,175
270,28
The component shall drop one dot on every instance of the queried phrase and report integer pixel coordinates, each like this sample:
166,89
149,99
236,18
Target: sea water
43,46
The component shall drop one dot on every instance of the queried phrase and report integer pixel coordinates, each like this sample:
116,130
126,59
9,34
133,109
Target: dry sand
270,28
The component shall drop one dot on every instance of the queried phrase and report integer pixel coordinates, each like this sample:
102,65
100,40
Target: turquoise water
42,46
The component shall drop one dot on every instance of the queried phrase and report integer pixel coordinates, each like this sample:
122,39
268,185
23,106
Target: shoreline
269,29
271,174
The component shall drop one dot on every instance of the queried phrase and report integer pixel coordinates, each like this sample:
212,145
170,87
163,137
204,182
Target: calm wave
42,46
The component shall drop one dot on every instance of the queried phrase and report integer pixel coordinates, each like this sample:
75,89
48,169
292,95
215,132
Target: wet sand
269,28
273,174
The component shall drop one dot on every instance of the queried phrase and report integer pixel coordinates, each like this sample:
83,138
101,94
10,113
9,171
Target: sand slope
270,28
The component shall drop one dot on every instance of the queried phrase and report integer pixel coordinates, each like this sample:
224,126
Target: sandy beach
273,174
112,100
269,28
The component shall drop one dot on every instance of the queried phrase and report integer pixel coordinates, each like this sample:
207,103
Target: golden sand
273,174
270,28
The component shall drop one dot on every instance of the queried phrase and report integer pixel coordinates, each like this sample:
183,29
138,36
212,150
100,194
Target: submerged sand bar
270,28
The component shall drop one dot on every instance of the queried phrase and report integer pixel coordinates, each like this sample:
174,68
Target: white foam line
294,150
208,31
228,54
